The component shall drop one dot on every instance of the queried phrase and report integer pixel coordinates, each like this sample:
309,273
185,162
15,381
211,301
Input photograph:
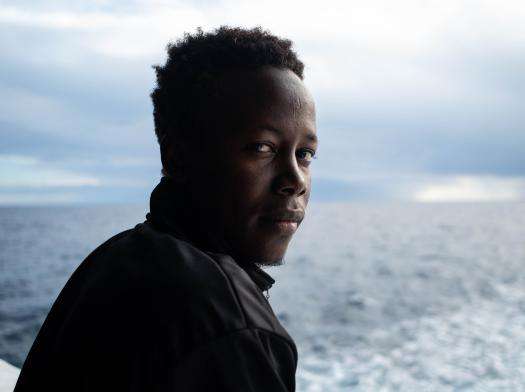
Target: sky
416,100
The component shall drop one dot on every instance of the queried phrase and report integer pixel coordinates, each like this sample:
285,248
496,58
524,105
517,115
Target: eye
307,154
262,147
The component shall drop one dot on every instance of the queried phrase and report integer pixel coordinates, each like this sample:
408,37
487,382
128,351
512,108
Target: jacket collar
170,212
261,278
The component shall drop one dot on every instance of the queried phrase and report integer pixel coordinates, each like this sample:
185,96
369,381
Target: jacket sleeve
115,332
138,355
249,360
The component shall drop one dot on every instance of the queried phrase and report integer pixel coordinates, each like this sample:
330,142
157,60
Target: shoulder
143,256
149,272
148,282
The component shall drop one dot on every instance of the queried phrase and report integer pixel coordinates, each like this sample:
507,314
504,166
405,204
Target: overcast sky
416,100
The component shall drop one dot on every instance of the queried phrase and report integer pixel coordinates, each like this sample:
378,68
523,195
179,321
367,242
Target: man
177,303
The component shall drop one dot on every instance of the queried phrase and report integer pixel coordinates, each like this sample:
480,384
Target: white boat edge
8,376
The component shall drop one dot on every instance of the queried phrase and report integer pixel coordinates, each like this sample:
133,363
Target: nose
291,179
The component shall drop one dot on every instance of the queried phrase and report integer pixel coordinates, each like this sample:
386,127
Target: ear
175,160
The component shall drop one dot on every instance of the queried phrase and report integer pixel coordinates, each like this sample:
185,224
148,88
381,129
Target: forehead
266,96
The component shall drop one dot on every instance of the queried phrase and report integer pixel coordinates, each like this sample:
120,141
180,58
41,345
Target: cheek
249,179
308,189
248,193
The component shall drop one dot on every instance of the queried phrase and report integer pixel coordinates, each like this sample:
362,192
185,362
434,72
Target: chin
263,251
270,262
270,258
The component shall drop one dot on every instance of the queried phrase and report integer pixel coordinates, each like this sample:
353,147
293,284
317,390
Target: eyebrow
309,134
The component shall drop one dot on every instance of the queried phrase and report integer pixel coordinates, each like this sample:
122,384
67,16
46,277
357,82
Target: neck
174,210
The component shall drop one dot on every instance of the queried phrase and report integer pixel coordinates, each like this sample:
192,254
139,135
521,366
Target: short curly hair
195,62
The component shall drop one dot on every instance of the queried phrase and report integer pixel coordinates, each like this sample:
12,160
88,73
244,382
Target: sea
377,296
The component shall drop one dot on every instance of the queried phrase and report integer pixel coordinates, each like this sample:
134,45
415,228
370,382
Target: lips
284,216
284,221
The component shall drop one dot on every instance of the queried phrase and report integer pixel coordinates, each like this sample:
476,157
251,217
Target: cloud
407,94
27,198
29,172
469,189
29,180
113,34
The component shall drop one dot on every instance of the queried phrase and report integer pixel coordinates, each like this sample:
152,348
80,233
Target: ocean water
409,297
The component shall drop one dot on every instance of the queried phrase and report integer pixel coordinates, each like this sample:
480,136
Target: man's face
253,181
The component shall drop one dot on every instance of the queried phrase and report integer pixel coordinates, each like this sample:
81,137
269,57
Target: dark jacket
149,310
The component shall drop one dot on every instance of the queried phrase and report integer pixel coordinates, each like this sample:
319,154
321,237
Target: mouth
286,227
284,222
